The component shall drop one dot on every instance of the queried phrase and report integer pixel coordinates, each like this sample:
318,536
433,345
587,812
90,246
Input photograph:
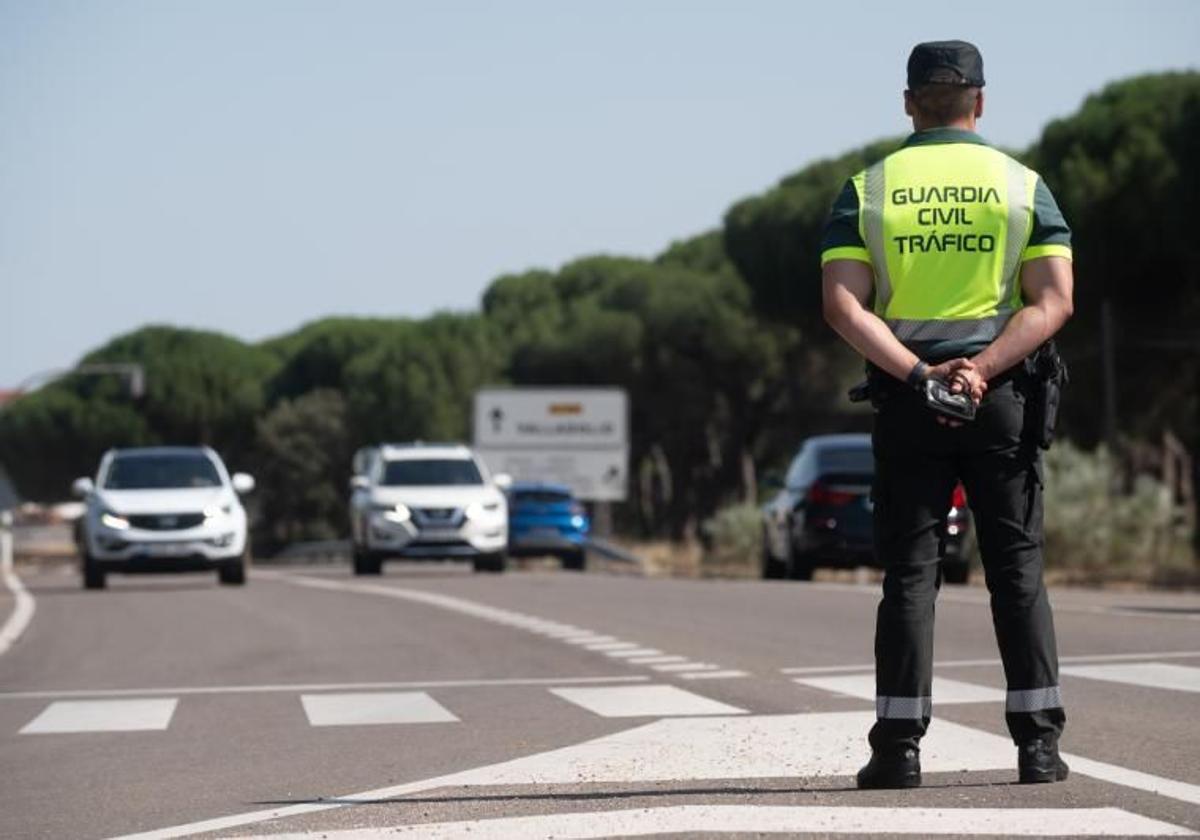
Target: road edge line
25,605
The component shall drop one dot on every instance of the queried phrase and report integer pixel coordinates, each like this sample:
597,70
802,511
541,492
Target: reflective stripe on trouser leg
903,708
1034,699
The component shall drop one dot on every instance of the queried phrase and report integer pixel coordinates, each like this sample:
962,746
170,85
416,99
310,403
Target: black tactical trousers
917,462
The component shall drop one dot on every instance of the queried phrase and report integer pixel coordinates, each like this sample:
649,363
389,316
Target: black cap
945,63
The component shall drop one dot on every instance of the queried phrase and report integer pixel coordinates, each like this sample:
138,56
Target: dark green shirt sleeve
1050,236
841,239
841,230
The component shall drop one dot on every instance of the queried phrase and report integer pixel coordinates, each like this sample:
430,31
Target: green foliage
1095,531
302,462
733,542
775,239
53,436
1126,172
417,382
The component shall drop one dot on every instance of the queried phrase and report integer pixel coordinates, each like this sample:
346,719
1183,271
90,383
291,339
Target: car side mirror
81,488
502,480
243,483
360,482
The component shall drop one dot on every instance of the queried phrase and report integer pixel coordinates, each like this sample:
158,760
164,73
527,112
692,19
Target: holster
1046,375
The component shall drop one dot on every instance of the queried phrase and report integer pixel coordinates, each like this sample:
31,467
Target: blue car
546,519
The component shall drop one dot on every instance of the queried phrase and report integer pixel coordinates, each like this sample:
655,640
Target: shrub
732,541
1094,532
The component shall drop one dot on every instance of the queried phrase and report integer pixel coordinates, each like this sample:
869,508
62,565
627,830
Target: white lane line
692,749
644,701
657,660
1149,674
298,687
589,641
683,667
102,716
590,638
945,691
779,819
970,663
714,675
24,605
640,653
355,709
1125,777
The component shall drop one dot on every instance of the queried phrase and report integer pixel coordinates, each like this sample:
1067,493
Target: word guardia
938,242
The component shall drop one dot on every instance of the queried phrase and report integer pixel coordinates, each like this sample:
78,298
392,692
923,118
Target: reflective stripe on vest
1001,297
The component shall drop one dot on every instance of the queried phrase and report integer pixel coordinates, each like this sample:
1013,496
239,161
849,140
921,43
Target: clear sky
249,165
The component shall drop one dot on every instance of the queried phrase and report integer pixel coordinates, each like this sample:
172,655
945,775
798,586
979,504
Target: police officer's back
948,263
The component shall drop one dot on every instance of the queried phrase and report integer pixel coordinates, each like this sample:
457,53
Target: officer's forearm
869,335
1048,286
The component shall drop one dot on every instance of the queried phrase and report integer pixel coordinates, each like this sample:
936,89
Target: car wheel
93,575
366,563
575,561
801,568
232,572
491,562
772,567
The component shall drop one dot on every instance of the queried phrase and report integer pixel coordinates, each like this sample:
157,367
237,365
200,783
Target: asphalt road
543,703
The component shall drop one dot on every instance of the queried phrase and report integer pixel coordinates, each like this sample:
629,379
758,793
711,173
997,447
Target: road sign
559,418
596,475
573,436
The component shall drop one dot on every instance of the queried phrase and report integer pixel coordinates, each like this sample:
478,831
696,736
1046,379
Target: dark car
546,519
822,515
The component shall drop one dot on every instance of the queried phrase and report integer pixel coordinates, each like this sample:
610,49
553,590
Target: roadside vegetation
720,343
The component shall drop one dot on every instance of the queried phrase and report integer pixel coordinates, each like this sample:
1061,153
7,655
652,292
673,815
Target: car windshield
847,459
430,472
161,472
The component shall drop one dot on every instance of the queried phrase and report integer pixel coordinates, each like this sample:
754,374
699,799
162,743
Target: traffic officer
950,260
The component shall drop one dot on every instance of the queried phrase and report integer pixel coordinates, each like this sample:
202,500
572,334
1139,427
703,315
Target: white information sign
573,436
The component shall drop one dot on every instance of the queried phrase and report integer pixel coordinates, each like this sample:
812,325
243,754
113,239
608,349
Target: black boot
891,769
1038,761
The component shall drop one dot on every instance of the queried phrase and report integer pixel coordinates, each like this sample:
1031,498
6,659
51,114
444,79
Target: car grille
437,517
166,521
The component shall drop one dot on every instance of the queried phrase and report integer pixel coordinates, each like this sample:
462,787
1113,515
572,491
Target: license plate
439,534
168,549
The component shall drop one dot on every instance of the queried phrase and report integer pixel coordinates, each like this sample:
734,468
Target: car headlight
398,512
577,521
216,511
482,510
114,521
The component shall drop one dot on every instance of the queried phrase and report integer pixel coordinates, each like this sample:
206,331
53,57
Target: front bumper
132,549
538,542
406,539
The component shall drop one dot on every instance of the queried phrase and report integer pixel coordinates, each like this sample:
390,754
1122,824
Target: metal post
1108,361
602,520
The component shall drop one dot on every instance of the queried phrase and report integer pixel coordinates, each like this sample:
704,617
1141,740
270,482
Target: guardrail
611,552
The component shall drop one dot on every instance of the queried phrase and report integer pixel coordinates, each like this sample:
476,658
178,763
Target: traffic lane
732,624
224,752
186,630
763,626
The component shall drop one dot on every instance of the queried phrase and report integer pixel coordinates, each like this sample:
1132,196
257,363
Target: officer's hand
961,376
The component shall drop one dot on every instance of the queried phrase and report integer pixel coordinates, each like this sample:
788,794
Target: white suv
162,509
420,501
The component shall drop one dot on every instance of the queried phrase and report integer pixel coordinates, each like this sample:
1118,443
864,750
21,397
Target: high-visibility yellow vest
946,223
